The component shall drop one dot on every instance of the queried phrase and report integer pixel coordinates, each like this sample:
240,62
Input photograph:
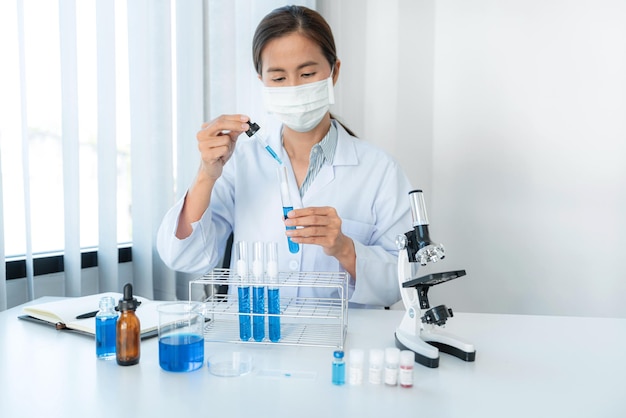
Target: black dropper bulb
128,303
253,129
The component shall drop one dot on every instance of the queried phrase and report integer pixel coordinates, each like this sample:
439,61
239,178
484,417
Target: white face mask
302,107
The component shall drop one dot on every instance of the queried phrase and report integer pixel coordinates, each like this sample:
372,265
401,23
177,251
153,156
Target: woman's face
292,60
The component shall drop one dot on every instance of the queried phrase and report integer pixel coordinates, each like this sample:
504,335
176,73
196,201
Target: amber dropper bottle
128,336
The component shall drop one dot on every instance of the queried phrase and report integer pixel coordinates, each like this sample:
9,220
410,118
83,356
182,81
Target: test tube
273,294
258,299
294,247
241,257
254,131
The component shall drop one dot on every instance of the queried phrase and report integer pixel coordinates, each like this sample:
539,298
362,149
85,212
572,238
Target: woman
352,196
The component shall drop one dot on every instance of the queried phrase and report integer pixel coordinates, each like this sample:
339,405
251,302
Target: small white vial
392,360
376,360
405,377
355,366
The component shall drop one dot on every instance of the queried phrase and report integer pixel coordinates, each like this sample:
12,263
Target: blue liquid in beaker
181,352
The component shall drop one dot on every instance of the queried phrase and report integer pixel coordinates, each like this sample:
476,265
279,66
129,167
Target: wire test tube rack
304,321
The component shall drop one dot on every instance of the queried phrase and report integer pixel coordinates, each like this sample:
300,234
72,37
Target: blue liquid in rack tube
273,308
294,247
258,307
181,352
244,308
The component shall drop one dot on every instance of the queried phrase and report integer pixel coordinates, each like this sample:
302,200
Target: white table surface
526,366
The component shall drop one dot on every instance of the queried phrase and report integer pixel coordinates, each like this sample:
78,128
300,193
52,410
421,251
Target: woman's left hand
322,226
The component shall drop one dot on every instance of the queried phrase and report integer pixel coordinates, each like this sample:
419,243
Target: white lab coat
366,187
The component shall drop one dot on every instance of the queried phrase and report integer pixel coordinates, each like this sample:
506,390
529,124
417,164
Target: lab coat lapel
345,154
325,176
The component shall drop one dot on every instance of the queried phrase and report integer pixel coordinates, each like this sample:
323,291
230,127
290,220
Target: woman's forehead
291,52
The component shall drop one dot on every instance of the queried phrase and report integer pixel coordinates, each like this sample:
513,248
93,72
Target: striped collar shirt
321,153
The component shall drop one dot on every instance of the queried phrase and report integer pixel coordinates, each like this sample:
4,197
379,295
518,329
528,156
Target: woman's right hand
216,142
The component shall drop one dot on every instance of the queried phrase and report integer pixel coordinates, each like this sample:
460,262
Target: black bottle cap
128,303
253,129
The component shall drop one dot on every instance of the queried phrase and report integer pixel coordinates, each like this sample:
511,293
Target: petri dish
230,364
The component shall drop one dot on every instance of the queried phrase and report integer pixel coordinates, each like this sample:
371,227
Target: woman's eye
278,79
307,75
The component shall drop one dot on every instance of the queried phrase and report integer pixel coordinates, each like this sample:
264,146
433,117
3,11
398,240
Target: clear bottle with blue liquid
106,322
339,368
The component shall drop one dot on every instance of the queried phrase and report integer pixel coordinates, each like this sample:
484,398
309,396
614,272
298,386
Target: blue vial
339,368
106,321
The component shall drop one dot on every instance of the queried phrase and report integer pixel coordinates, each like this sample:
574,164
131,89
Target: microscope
420,329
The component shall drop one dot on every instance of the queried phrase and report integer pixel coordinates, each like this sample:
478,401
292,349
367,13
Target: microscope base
429,343
454,351
415,346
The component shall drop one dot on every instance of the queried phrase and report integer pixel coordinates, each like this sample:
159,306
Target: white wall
525,146
529,152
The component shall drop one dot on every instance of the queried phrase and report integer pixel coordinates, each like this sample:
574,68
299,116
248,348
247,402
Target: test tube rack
304,321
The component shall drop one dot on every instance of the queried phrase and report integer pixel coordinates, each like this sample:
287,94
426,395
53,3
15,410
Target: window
31,134
100,102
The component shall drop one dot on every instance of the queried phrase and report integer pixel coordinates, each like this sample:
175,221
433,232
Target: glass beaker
181,336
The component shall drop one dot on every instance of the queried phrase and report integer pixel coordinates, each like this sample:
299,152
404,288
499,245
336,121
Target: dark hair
290,19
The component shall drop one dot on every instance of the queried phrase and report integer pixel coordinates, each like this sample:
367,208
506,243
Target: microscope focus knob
401,242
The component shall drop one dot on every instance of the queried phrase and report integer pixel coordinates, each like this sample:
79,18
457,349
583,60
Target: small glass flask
339,368
106,321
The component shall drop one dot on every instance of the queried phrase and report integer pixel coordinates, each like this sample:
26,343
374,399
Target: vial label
391,376
406,377
375,376
355,375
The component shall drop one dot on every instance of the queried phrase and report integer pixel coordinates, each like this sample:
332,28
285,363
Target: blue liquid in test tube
258,301
273,294
294,247
273,308
243,290
258,320
244,307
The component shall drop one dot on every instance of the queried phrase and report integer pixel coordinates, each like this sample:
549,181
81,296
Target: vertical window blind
99,108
